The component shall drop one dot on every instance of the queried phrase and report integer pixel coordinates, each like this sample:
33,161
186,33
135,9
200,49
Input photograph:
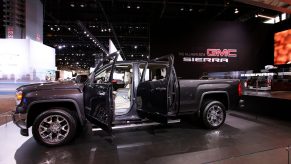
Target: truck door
98,100
157,99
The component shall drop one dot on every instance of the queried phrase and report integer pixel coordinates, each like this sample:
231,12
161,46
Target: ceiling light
190,9
69,29
264,16
72,5
60,47
52,28
87,35
72,46
137,7
236,11
182,9
82,5
131,55
128,6
135,47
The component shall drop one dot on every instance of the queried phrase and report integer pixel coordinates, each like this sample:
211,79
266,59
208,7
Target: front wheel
54,127
213,114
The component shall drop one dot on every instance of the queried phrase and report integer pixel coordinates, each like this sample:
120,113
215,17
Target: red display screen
282,47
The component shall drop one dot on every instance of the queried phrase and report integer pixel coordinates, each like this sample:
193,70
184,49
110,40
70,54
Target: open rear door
156,98
99,108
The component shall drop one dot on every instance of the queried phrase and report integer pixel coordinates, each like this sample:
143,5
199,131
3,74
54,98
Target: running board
138,125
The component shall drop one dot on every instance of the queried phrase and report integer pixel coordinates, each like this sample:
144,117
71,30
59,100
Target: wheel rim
54,129
215,115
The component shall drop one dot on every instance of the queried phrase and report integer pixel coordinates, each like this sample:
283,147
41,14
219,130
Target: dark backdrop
254,44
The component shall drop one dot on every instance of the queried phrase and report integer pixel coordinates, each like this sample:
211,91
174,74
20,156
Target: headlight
18,97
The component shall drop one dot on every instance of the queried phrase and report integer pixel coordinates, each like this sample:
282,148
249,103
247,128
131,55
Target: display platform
284,95
238,141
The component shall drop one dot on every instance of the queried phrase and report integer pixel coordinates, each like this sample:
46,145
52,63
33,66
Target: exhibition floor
240,140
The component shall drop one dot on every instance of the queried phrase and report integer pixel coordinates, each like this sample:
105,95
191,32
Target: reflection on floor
238,141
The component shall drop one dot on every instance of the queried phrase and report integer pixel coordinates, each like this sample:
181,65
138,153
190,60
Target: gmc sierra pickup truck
121,92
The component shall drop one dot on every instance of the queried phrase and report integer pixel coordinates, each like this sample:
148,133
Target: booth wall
253,44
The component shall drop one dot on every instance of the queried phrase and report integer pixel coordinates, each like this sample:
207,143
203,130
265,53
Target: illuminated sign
282,47
10,32
222,53
211,56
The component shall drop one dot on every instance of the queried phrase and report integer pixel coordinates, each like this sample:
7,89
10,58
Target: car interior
122,82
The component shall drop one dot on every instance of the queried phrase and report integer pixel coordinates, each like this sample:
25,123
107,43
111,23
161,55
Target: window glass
103,76
154,72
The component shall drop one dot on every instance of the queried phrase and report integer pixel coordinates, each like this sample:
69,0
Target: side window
122,76
154,72
103,76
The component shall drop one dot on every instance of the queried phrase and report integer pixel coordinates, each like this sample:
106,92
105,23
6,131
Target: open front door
157,98
99,107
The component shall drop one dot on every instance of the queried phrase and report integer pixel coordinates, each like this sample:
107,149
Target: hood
50,86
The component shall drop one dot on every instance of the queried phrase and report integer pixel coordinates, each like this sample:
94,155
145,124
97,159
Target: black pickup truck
121,92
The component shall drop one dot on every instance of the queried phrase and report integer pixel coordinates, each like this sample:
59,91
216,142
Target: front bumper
20,119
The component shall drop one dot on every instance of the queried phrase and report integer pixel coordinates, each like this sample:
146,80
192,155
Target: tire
54,127
213,114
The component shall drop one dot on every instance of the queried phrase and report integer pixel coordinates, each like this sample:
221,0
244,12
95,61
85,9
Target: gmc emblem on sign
222,53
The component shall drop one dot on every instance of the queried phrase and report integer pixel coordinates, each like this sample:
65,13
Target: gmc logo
222,53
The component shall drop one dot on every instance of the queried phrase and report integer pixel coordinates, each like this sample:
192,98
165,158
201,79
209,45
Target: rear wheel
54,127
213,114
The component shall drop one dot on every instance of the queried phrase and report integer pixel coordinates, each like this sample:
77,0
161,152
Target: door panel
99,108
156,98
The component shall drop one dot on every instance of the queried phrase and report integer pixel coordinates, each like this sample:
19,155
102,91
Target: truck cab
118,92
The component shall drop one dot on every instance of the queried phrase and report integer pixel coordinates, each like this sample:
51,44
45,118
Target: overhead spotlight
190,9
131,55
87,35
72,5
236,11
128,6
135,47
60,47
72,46
58,29
82,5
52,28
102,30
85,32
182,9
69,29
256,15
137,7
142,55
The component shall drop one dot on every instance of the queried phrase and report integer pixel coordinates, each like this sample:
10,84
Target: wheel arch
221,96
37,107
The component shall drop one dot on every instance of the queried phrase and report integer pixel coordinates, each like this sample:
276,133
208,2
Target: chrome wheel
215,115
54,129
